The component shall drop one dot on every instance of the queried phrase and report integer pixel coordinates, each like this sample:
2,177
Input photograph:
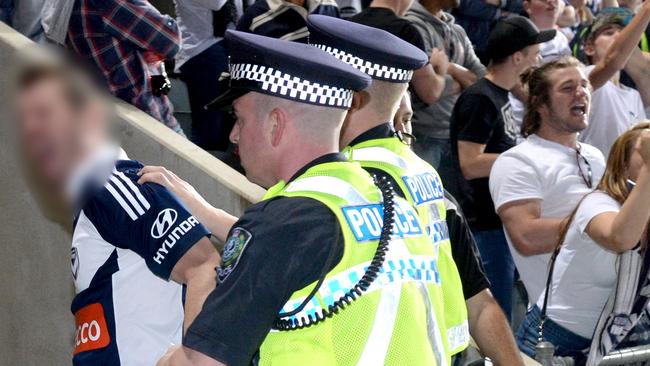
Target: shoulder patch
235,246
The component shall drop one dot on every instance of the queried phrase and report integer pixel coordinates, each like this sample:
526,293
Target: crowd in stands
542,142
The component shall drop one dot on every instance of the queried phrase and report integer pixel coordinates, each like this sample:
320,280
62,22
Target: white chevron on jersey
130,192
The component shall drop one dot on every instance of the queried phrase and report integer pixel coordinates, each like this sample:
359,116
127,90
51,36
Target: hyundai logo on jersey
166,218
366,221
179,231
424,188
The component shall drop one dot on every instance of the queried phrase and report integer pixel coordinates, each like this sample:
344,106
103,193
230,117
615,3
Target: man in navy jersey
134,246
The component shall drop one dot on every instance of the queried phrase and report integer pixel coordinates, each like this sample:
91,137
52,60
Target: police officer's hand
182,189
217,221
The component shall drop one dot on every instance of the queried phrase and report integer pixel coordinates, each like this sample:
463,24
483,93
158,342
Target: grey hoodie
433,120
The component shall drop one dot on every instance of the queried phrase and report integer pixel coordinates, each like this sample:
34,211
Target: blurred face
597,49
442,4
402,119
249,134
49,129
569,101
547,9
451,4
530,57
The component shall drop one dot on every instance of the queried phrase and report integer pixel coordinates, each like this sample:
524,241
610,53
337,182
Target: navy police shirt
277,247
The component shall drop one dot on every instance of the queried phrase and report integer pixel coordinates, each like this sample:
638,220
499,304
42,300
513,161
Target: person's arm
429,81
474,117
196,269
218,221
637,68
183,356
530,234
471,69
491,331
621,231
139,23
621,49
462,75
474,161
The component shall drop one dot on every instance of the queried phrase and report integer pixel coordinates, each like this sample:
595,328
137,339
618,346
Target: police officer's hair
385,97
314,121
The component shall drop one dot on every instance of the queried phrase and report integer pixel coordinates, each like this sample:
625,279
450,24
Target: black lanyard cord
372,272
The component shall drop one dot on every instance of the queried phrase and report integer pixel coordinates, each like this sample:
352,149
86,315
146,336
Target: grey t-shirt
433,120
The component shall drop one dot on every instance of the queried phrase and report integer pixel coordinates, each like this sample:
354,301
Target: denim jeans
432,150
210,129
567,343
499,266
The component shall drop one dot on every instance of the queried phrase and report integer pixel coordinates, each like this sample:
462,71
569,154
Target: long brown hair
539,88
614,180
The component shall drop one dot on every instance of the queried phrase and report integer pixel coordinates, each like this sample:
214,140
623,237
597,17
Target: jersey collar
94,170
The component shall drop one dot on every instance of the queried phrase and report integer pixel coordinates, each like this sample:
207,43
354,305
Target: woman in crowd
610,220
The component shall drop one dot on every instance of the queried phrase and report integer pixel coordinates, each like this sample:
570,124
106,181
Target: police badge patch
235,246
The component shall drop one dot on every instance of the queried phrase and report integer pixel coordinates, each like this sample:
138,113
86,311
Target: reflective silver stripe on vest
379,154
328,185
458,336
435,337
376,349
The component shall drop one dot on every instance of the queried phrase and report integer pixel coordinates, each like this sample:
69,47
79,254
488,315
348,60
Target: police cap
288,70
373,51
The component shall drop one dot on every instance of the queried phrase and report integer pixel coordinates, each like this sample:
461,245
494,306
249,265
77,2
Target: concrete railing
36,327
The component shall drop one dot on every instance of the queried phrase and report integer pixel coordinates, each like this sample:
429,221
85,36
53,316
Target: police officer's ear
278,119
359,100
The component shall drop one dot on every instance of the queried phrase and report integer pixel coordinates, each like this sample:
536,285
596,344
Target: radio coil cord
388,195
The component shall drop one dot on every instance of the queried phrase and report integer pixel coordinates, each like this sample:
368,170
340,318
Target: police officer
369,138
327,269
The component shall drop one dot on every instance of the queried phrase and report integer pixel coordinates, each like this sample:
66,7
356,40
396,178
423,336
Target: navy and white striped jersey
127,238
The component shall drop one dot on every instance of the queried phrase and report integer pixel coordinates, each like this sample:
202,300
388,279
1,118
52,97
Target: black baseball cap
513,34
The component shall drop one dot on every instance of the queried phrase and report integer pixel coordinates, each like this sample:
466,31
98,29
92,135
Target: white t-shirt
614,109
551,50
582,268
547,171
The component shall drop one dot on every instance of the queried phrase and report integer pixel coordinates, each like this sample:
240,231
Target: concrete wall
36,327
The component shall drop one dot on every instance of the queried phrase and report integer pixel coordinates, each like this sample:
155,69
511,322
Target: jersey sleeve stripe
121,201
127,194
134,188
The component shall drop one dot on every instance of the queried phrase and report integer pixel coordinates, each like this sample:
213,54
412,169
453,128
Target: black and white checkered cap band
292,87
376,71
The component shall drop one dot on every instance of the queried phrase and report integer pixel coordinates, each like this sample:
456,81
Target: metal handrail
627,356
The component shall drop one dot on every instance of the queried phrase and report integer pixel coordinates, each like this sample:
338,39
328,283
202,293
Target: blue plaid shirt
114,35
